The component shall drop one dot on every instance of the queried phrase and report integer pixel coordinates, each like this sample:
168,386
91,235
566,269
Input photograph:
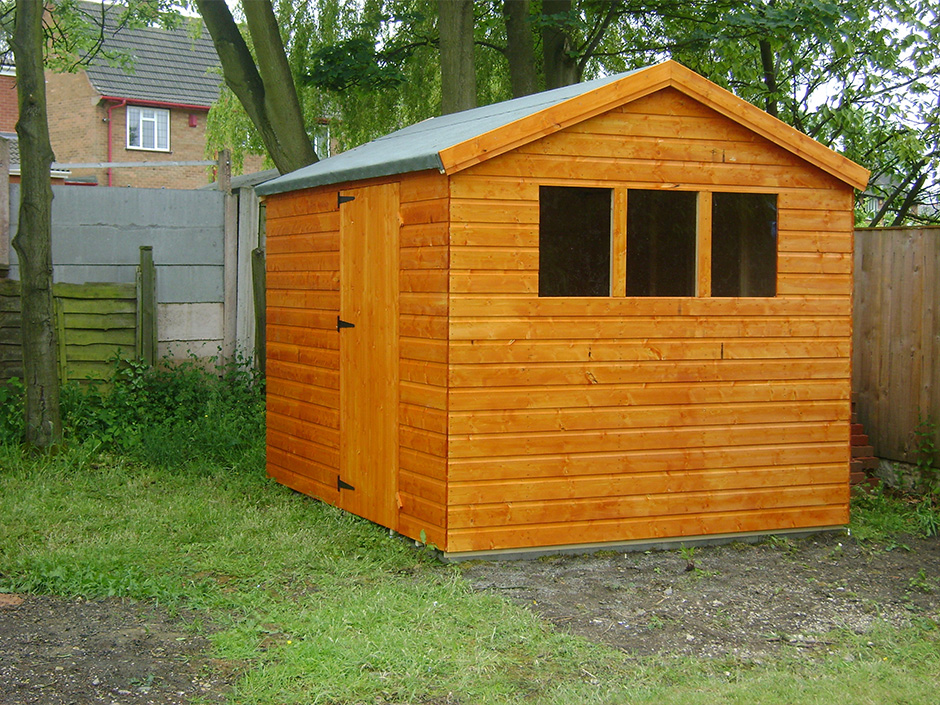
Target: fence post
230,255
4,208
258,280
147,306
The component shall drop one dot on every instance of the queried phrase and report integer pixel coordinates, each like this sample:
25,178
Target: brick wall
78,128
8,106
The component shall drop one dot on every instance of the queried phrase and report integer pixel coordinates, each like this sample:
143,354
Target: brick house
153,110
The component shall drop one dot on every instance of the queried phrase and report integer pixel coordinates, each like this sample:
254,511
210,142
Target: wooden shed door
368,353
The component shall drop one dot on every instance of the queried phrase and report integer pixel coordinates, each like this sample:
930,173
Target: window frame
703,239
157,112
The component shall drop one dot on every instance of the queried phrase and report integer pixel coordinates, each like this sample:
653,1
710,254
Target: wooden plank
320,227
703,265
618,244
322,281
94,290
641,484
591,441
614,418
515,513
498,258
533,351
645,392
659,462
614,172
561,533
688,308
571,327
684,371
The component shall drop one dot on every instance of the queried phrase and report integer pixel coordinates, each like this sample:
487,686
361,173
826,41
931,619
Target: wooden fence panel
96,323
896,345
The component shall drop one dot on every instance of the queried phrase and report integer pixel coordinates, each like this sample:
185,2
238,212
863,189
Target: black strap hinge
340,324
341,199
340,485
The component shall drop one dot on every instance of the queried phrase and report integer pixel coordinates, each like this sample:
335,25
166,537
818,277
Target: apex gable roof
167,65
454,142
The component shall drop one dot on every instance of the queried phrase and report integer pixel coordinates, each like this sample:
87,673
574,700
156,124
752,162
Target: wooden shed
614,312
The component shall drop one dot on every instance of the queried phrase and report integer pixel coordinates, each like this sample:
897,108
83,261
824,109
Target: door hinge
340,485
340,324
341,199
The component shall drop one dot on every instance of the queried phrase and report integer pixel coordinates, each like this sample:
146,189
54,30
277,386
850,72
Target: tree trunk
561,69
33,241
265,90
770,76
458,76
520,49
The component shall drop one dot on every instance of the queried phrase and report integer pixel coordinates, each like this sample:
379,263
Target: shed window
744,244
661,243
574,241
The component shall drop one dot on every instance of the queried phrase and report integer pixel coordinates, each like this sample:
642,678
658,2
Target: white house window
148,128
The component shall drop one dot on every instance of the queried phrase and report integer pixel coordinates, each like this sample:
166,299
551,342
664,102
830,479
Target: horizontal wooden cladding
813,241
298,233
319,460
508,513
286,408
609,440
680,127
493,211
314,299
560,533
618,417
301,203
496,282
423,349
423,488
318,281
646,392
498,351
305,262
587,327
295,429
687,309
643,484
495,235
428,395
688,148
467,473
303,337
421,463
283,467
299,317
303,374
683,371
836,221
414,528
630,172
423,212
423,235
800,284
816,263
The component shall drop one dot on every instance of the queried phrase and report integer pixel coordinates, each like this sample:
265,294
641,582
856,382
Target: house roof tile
166,65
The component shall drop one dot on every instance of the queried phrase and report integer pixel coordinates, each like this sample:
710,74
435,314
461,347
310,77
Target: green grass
319,606
312,605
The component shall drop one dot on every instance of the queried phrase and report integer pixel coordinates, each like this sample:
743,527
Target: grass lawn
316,606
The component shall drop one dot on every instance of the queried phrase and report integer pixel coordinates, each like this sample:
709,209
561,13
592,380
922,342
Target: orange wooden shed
613,312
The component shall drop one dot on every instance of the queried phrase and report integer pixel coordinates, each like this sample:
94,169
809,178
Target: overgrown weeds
172,415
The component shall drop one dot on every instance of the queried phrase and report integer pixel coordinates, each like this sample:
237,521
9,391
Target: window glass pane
146,134
163,130
574,241
661,231
744,244
133,127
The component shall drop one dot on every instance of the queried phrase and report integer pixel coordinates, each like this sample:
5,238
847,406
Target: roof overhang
153,103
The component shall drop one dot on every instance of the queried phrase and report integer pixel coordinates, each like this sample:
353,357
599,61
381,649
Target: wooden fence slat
896,343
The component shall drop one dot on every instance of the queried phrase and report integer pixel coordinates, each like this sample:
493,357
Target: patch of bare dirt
742,600
55,651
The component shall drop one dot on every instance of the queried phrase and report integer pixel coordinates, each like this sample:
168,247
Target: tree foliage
860,76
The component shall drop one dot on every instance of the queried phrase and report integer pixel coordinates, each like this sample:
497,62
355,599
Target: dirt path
739,599
742,600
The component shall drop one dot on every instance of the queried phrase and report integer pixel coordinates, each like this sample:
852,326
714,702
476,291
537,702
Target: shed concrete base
631,546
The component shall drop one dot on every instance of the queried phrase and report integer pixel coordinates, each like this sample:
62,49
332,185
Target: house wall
303,302
78,129
608,419
9,110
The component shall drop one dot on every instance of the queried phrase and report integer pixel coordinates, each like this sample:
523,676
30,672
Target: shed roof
454,142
